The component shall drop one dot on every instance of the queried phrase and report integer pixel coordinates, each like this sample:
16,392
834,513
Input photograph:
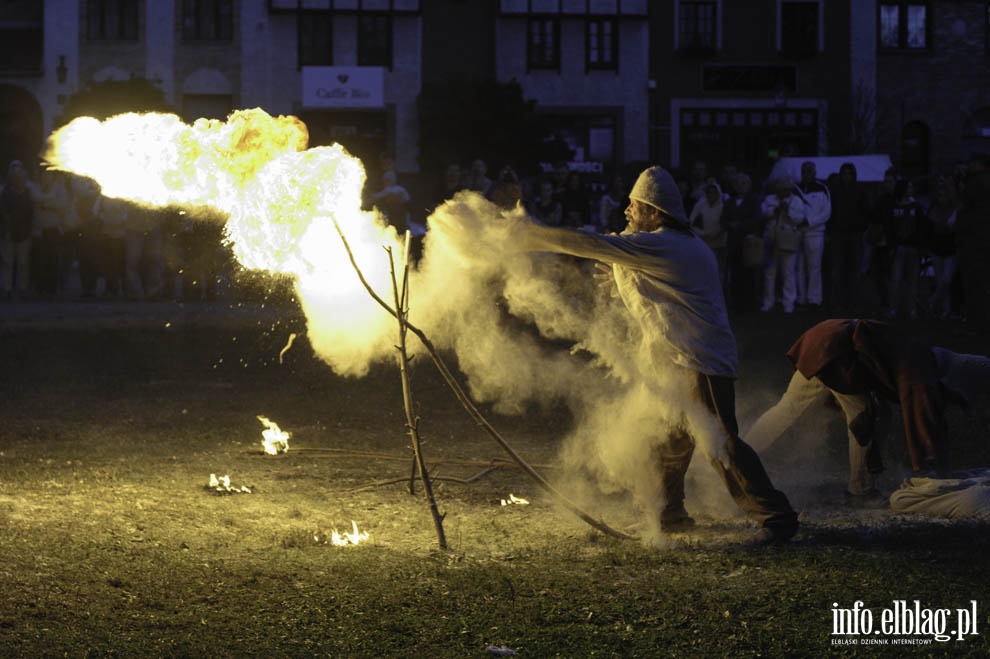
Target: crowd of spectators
899,248
61,238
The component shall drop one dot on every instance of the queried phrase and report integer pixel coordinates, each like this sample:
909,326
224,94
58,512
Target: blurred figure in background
784,213
611,205
449,183
818,208
17,211
50,216
392,201
574,201
942,245
743,222
545,208
477,178
877,247
973,241
908,233
844,233
507,191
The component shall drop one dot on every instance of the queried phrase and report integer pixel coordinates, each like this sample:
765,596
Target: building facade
743,82
933,83
669,81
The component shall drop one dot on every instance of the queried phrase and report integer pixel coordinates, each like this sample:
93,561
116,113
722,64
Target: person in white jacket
818,209
785,213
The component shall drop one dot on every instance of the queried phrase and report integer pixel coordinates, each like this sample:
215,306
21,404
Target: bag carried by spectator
753,251
875,235
786,238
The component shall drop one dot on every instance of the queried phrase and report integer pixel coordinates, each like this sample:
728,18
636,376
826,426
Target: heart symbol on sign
342,78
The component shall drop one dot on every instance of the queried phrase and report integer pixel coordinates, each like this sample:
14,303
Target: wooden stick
473,411
412,422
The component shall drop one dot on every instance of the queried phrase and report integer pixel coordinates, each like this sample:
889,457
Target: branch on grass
449,479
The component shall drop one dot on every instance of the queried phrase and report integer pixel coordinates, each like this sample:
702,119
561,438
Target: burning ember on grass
274,439
513,500
222,485
344,539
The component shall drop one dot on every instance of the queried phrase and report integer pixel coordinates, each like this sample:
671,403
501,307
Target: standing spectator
574,201
844,234
818,208
784,212
706,220
113,215
447,186
561,171
973,240
942,245
907,235
727,179
392,201
477,178
507,192
70,277
611,218
50,211
697,179
545,208
89,234
17,210
877,244
141,274
742,220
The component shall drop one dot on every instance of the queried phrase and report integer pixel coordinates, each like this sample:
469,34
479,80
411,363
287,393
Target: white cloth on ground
965,497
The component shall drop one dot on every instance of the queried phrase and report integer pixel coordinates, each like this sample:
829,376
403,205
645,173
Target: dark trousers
743,475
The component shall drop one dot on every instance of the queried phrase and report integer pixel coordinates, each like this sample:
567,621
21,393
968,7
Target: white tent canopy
869,168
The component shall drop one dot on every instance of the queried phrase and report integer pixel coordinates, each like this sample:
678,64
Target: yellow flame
281,202
274,439
513,500
348,538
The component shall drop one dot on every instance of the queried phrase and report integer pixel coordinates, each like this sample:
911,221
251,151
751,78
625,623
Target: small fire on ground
274,439
513,500
338,539
221,485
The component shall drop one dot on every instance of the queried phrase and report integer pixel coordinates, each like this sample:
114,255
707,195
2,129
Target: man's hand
604,277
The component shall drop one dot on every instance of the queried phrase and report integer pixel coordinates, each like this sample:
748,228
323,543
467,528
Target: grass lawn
113,545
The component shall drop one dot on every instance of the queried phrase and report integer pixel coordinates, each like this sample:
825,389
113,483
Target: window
112,20
904,26
697,27
542,43
375,40
22,37
799,29
601,43
207,20
315,39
